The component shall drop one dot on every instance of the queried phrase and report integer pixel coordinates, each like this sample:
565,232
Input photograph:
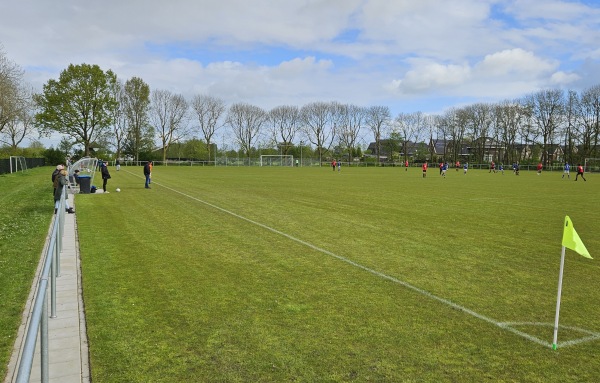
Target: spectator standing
61,182
105,176
147,172
55,174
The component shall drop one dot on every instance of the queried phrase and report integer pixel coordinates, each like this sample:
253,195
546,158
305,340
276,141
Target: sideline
508,326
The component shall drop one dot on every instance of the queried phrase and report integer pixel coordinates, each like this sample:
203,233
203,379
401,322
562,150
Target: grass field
246,274
303,274
26,206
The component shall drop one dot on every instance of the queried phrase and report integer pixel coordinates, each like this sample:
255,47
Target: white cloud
516,63
298,67
428,77
499,75
561,78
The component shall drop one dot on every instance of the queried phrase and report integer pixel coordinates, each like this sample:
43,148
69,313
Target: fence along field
262,274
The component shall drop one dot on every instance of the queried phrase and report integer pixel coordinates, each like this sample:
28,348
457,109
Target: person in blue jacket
567,170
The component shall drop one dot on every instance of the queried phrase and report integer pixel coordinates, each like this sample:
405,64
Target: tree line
93,108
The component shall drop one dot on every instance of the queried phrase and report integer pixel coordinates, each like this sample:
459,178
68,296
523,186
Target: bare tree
209,111
589,125
527,131
410,127
284,124
13,94
510,115
136,104
119,117
20,126
168,115
443,126
319,125
547,108
246,122
378,120
350,124
480,120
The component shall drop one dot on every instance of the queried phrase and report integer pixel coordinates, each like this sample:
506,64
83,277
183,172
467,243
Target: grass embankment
26,208
186,282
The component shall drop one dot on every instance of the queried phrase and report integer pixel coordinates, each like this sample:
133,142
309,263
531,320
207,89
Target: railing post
45,365
53,268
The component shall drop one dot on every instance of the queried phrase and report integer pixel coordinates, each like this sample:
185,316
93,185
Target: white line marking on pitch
503,325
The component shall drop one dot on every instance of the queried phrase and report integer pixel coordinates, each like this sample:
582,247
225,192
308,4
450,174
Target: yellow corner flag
571,239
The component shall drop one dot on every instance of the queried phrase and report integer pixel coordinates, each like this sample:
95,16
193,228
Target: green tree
80,104
54,156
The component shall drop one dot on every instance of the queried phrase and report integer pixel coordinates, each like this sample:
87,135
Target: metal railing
39,315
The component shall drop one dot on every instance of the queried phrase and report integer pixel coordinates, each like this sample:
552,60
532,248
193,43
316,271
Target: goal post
276,160
17,163
591,165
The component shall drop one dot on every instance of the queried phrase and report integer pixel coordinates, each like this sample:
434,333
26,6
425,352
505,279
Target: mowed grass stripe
193,294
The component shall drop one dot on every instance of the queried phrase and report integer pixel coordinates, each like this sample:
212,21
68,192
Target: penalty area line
502,325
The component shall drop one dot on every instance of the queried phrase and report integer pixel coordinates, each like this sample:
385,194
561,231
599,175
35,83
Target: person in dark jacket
147,173
61,182
105,176
55,174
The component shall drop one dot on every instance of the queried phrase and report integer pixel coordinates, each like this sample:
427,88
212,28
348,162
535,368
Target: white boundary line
503,325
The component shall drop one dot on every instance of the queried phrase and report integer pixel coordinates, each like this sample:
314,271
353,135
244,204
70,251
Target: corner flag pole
560,278
572,241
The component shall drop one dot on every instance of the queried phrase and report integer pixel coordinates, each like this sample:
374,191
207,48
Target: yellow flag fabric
571,239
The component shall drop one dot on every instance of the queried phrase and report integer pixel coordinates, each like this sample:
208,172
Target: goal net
17,164
592,165
276,160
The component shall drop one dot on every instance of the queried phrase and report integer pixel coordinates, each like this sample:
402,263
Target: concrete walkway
68,350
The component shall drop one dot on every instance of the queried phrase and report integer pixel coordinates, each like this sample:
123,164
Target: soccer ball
118,190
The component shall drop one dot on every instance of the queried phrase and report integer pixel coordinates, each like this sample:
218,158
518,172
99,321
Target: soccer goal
276,160
591,165
17,164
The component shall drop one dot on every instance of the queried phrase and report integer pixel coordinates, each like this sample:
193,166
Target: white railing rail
39,315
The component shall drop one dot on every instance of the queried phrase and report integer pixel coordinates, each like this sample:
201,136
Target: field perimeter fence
31,163
309,162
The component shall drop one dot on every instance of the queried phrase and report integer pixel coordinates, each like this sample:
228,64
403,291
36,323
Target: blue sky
425,55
